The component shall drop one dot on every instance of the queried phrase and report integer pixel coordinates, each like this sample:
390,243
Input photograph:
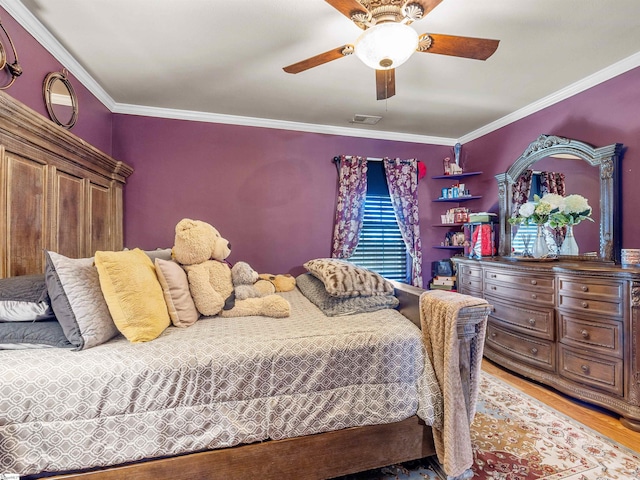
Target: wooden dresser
572,326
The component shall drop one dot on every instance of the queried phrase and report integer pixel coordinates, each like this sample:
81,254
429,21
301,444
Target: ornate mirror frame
48,93
607,159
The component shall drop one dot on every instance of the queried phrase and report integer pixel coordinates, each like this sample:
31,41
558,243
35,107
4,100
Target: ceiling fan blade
385,83
347,7
466,47
319,59
427,5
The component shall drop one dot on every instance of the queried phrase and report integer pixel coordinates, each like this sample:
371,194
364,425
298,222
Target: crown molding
592,80
195,116
32,25
38,31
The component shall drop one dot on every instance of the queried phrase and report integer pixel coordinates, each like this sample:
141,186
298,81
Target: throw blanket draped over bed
444,316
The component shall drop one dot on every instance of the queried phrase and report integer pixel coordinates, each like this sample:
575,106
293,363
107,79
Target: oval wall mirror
60,99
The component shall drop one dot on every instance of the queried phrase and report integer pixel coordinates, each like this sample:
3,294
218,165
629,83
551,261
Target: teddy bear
247,284
282,282
202,251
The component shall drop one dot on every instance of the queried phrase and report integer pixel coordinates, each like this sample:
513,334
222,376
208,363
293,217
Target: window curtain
402,179
521,191
352,190
552,182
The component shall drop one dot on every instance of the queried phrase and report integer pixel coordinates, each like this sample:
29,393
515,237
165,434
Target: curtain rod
369,159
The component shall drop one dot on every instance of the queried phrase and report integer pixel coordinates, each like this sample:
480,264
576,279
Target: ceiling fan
388,41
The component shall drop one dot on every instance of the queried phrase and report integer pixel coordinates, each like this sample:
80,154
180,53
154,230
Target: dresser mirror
60,99
590,172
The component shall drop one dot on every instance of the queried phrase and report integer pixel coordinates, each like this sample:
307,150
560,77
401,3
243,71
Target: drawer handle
534,296
494,335
584,368
493,288
584,333
585,288
534,282
585,304
534,351
532,321
493,275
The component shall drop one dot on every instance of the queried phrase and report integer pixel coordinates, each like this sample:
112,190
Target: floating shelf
458,199
448,225
450,247
457,176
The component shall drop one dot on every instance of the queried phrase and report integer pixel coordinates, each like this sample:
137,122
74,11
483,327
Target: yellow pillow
133,294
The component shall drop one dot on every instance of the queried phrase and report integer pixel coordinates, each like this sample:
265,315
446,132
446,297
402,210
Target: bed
308,396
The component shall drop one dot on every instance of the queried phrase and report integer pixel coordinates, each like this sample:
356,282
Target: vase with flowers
574,210
539,212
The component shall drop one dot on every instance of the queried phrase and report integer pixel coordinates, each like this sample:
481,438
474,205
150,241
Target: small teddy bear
247,284
283,282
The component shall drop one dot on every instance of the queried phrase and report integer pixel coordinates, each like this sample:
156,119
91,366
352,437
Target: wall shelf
448,225
458,199
449,247
457,176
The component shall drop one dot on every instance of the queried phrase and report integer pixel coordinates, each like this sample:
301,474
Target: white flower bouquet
538,212
575,209
553,209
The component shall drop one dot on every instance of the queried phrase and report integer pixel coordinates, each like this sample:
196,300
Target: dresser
571,325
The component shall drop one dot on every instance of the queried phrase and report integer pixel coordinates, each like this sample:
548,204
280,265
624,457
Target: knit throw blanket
443,315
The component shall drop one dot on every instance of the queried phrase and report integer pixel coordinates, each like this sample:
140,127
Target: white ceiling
208,59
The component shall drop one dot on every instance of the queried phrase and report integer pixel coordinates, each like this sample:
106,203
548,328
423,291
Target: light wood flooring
598,419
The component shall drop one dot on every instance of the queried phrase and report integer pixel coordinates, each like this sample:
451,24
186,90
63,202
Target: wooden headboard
57,192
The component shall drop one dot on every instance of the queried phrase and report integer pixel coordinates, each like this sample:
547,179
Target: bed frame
60,193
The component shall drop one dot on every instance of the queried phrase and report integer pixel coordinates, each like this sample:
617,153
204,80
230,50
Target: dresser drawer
471,271
588,289
470,283
537,322
532,351
589,305
602,336
535,282
520,294
599,372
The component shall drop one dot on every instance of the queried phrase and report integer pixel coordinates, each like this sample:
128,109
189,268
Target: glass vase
569,245
540,248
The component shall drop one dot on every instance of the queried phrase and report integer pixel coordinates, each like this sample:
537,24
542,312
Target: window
381,247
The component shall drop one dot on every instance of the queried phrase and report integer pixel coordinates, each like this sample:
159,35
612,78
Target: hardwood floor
598,419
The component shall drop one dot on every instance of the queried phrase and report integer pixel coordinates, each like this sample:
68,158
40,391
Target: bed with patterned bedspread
219,383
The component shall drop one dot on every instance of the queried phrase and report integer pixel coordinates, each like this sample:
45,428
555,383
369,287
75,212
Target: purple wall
602,115
270,192
94,119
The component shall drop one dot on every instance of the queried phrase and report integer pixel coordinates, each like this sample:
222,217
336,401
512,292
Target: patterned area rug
515,437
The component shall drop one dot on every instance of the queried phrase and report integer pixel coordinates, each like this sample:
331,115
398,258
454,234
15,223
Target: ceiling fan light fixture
386,46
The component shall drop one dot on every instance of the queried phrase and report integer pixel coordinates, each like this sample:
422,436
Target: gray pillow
77,300
313,288
14,336
24,299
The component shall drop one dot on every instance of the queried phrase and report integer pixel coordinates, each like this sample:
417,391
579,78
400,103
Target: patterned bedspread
219,383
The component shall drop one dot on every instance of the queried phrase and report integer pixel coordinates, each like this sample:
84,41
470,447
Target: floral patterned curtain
402,178
352,190
552,182
521,191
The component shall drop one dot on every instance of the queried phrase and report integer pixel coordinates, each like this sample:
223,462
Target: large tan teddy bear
202,251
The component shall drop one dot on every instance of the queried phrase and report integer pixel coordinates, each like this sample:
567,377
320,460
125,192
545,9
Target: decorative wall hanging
14,69
60,99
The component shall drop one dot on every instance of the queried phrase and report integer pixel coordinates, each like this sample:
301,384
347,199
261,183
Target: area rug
516,437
